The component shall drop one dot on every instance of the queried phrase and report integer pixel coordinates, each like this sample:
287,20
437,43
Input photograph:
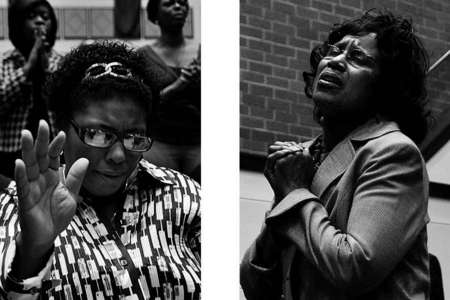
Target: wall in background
94,19
276,39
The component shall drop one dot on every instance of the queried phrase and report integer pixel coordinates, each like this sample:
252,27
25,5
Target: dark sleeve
260,271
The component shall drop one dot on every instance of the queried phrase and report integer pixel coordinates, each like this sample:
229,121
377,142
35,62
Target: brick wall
276,38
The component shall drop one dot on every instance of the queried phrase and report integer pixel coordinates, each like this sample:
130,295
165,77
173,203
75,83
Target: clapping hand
190,76
192,72
289,166
38,59
47,202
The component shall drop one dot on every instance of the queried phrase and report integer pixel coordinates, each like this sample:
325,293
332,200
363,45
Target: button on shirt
16,100
152,252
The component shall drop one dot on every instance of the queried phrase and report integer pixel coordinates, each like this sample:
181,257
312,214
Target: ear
308,77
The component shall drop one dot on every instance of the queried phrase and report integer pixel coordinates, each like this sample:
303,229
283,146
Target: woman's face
172,13
108,168
345,84
37,22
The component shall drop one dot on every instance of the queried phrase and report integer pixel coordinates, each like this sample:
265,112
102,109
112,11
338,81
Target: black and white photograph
344,153
100,140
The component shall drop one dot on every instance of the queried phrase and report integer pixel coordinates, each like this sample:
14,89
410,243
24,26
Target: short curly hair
69,93
403,67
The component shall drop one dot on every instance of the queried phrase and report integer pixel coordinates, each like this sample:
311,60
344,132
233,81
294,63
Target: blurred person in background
23,72
177,129
107,224
350,210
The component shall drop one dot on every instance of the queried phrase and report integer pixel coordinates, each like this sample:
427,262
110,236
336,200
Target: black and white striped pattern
152,252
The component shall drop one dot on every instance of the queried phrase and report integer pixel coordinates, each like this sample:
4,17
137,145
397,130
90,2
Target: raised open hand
46,203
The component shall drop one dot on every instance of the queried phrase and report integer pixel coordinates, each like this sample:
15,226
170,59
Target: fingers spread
29,155
41,146
54,150
76,174
20,176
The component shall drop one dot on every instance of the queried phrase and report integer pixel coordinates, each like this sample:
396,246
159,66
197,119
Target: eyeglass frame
118,137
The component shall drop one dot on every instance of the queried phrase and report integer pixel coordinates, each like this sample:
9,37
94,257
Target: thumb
75,176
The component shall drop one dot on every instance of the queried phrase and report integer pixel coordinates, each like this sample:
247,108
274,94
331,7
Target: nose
39,20
116,153
339,62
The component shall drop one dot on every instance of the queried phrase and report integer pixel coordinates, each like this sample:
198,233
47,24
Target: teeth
330,79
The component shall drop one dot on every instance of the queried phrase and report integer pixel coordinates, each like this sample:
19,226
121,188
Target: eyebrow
112,129
352,46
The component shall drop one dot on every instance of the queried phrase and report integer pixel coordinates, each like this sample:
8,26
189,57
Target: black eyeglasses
103,138
354,55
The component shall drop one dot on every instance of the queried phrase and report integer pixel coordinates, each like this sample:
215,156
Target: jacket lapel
338,160
333,165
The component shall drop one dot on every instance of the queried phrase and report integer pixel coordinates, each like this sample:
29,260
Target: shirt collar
146,169
373,128
13,54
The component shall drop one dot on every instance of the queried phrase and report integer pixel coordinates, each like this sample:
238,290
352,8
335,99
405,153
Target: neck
171,38
335,132
106,206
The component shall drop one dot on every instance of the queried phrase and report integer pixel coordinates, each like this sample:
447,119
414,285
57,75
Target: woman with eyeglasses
177,130
107,224
350,210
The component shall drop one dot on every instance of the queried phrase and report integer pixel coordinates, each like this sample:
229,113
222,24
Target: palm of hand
48,207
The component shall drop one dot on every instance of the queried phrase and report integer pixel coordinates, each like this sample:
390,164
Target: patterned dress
151,250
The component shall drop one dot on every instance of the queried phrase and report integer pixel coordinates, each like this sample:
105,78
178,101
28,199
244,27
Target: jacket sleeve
260,271
388,211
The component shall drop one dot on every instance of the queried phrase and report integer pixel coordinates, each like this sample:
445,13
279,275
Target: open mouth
330,80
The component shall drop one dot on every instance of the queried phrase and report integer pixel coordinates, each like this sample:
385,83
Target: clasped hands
38,59
289,166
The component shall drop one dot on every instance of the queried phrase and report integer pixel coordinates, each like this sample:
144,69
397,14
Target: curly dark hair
68,91
403,68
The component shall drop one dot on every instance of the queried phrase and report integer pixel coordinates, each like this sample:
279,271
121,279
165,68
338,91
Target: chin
102,187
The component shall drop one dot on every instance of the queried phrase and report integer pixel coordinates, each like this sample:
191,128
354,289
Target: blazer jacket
358,232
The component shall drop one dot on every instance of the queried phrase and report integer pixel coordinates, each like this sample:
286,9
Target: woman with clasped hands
107,223
350,210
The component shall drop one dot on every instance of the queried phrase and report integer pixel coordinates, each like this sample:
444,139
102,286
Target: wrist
182,82
27,70
30,258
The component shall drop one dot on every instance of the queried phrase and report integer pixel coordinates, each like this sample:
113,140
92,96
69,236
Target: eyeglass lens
103,139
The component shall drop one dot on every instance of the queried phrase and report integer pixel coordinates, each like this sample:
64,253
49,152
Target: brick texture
276,38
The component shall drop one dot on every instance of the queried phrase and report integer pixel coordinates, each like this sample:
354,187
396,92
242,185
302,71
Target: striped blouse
151,252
